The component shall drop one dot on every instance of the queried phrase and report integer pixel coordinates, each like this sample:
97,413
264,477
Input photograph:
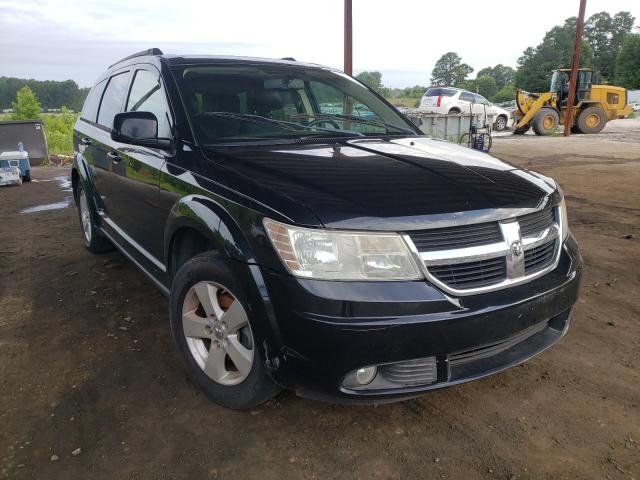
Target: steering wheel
318,121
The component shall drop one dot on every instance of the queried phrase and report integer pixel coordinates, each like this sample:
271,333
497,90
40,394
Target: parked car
304,246
635,106
20,159
456,100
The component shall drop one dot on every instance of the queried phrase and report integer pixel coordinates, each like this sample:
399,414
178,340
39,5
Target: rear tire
91,236
545,121
501,123
591,120
221,356
454,111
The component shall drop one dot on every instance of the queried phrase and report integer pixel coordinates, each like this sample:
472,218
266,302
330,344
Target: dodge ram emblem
516,248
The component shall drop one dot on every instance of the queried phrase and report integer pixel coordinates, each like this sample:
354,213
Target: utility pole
348,38
575,62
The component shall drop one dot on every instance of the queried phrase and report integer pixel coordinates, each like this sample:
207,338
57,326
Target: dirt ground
91,386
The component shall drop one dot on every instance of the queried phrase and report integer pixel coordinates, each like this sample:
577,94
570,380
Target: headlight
333,255
564,222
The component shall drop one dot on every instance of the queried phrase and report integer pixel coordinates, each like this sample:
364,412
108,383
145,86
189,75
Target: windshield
253,102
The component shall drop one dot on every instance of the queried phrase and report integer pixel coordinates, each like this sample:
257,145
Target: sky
67,39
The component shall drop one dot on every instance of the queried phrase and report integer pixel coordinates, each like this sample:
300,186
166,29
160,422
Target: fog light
365,375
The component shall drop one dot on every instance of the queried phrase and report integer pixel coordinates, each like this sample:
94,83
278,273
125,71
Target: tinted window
90,109
147,96
466,97
113,99
436,92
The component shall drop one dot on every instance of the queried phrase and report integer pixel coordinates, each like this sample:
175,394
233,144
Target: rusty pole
348,38
575,62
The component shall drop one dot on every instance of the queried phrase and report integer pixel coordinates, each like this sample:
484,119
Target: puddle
63,182
65,185
49,206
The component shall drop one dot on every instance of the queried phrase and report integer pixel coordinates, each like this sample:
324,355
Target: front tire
92,238
545,121
213,331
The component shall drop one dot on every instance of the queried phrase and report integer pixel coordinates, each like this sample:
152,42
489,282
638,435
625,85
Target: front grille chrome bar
512,249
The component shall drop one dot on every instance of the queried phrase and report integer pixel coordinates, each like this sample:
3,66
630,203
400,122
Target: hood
374,184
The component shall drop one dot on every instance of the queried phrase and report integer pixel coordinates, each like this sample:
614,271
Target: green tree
51,94
449,70
487,86
371,79
628,62
502,74
605,34
26,106
505,94
536,64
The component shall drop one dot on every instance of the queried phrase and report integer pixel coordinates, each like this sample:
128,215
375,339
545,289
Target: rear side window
436,92
113,99
467,97
147,96
90,109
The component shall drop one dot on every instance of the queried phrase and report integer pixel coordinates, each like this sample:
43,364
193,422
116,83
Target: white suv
457,100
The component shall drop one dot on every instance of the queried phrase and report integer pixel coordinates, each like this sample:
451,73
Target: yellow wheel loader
594,105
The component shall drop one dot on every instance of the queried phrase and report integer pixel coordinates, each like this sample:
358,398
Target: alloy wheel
218,333
85,216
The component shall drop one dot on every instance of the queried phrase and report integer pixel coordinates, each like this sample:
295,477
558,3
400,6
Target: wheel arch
206,226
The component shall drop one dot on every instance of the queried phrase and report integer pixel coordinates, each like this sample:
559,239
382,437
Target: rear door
85,140
135,209
101,144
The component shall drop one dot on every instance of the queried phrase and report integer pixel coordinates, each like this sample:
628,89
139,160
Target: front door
135,208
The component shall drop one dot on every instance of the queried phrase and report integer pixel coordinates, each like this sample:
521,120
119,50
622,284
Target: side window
147,96
466,97
481,100
113,99
91,104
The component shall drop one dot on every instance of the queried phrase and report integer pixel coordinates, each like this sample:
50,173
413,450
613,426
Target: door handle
85,141
114,157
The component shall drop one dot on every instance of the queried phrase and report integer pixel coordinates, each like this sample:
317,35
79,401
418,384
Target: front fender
213,222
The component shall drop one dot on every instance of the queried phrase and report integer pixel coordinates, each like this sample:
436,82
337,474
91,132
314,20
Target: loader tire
591,120
545,121
521,130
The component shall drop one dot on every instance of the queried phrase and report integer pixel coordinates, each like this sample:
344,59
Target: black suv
308,235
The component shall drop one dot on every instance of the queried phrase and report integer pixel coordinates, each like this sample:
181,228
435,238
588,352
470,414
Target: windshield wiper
366,121
291,126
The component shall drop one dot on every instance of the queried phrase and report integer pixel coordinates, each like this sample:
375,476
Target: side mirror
138,128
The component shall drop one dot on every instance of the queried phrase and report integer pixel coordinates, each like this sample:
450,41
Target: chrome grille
538,258
472,274
536,222
421,371
481,257
456,237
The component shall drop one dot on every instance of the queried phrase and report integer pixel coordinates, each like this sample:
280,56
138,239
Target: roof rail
291,59
144,53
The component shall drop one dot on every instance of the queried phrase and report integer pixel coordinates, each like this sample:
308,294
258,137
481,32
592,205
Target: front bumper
328,329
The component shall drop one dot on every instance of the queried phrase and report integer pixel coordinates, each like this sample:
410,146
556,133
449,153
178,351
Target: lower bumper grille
478,353
421,371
